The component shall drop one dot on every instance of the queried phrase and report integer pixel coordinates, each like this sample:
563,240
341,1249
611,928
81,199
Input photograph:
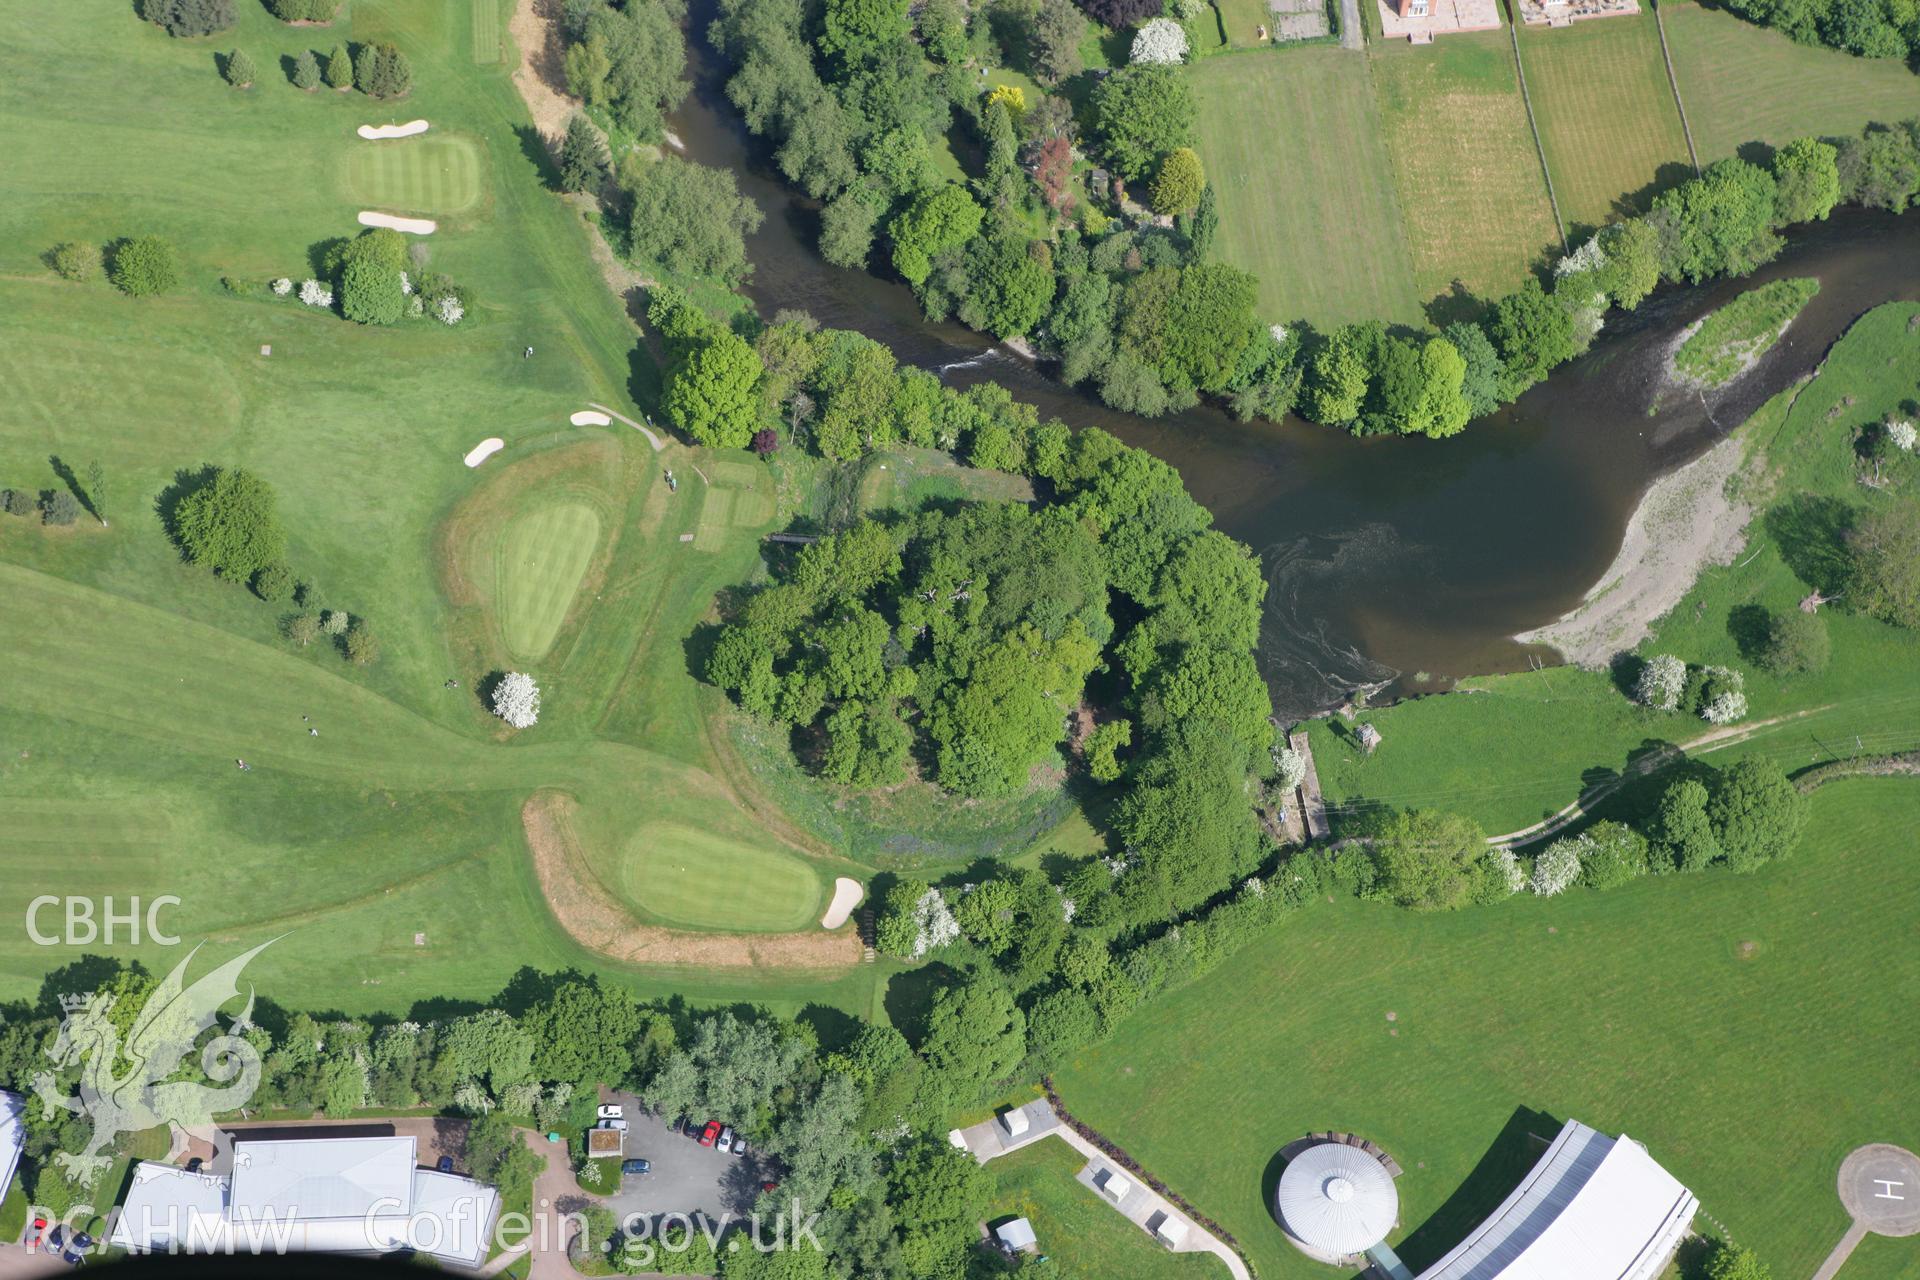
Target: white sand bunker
588,418
846,896
406,130
484,450
418,226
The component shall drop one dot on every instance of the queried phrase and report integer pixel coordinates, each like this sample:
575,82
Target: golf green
543,555
431,173
705,880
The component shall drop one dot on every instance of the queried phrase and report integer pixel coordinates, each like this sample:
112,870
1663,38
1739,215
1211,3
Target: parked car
739,1145
636,1166
612,1111
710,1134
726,1139
689,1128
77,1248
194,1163
444,1164
36,1232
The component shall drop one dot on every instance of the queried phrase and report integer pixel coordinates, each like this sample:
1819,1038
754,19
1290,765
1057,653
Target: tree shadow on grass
1750,625
1811,532
534,148
1518,1146
166,503
909,998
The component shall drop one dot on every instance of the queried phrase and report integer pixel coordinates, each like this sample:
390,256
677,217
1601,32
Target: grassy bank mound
1727,343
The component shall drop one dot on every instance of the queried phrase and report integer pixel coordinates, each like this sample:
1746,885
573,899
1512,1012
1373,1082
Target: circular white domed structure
1336,1201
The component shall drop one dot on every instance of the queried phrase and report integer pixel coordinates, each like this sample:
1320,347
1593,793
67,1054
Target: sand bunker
406,130
417,226
588,418
846,896
484,450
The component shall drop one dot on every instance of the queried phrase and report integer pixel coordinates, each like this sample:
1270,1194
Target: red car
35,1232
710,1134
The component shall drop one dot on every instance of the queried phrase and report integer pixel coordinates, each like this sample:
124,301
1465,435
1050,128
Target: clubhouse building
364,1195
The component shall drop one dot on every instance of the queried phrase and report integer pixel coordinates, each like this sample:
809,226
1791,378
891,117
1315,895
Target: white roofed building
325,1195
1336,1201
1593,1208
13,1137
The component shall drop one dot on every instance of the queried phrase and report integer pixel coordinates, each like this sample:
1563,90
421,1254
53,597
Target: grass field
431,173
1463,157
543,556
906,478
488,31
1520,746
1606,115
1085,1237
389,848
1748,1029
1742,83
1293,145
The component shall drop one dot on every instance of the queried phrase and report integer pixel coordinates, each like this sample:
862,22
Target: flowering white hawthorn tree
1557,867
1661,682
1291,767
1725,708
516,699
315,294
1510,873
934,925
1160,41
282,287
406,284
449,310
1901,433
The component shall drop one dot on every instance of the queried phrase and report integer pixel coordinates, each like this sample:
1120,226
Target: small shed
606,1141
1016,1236
1168,1230
1369,737
1112,1184
1014,1121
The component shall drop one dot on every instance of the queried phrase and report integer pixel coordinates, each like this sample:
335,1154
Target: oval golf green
712,881
543,555
432,173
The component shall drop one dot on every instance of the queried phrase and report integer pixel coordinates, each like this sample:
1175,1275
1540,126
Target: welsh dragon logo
154,1088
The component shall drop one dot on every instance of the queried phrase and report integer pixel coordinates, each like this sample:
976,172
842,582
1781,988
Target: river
1399,562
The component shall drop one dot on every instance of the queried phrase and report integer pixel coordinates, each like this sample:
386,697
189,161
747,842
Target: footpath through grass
1728,342
1509,750
1748,1029
1742,83
1293,145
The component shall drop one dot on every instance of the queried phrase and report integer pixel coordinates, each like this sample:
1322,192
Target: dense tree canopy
230,523
627,60
689,218
1140,113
